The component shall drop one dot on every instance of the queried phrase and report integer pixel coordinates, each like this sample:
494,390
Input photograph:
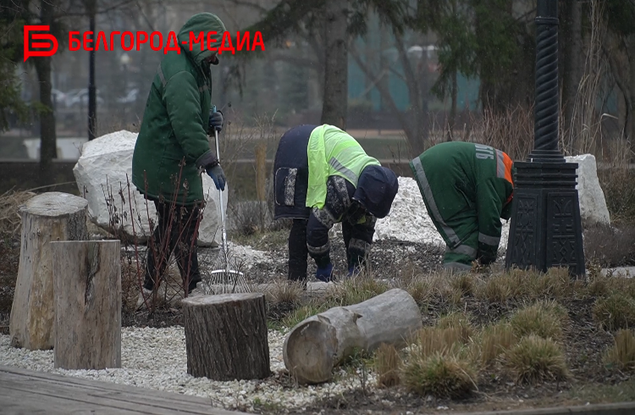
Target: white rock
104,169
409,220
592,202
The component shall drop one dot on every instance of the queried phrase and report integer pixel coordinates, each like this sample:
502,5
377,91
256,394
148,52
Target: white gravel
156,359
409,220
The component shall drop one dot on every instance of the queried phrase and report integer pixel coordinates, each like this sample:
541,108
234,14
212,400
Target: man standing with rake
173,148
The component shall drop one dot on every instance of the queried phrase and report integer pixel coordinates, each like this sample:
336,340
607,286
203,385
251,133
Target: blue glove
218,175
324,274
216,121
353,271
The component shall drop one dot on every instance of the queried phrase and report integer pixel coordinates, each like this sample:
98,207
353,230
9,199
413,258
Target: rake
225,280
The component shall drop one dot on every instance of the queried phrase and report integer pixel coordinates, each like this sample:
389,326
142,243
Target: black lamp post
546,230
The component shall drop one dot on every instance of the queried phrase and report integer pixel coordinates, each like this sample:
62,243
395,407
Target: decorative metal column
546,230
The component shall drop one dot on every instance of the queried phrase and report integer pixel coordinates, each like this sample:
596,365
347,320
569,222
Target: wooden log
52,216
319,343
226,336
87,277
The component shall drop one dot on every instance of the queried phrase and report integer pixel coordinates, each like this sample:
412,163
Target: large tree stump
87,277
226,336
47,217
319,343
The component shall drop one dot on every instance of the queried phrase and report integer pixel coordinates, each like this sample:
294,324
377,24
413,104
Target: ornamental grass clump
617,311
495,340
388,365
442,375
535,359
544,319
622,354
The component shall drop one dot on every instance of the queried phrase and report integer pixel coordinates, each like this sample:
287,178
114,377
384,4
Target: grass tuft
440,375
535,359
544,319
356,290
622,353
494,341
457,321
284,292
615,312
388,366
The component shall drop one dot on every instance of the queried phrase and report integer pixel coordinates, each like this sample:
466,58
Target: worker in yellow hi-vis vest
323,176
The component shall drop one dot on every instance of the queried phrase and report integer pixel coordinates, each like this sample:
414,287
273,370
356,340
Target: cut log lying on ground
319,343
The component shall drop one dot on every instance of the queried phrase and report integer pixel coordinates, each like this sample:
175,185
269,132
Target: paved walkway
28,392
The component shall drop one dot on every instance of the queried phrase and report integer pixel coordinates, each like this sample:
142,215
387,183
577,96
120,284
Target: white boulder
104,177
592,202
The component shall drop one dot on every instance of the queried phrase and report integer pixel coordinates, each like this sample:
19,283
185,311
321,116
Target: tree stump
226,336
52,216
87,277
319,343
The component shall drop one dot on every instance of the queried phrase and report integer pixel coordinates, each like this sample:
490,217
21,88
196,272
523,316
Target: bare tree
335,100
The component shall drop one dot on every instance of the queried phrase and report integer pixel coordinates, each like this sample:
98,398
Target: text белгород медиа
129,39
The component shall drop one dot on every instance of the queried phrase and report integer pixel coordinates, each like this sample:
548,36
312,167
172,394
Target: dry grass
535,359
618,184
356,290
622,353
388,366
441,375
617,311
502,287
543,319
10,220
304,312
495,340
129,284
463,283
284,292
610,246
458,321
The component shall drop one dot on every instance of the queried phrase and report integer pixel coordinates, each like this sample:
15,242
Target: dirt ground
591,380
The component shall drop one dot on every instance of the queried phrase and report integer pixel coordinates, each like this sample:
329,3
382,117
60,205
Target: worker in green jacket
172,148
467,188
322,176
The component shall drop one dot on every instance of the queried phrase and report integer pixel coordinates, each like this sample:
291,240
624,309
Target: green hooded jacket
172,145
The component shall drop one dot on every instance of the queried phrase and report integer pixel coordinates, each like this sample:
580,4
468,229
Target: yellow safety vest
330,152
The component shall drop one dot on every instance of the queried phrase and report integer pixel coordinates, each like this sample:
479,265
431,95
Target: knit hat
376,190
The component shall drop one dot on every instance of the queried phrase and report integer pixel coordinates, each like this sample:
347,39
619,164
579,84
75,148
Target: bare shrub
609,246
10,220
535,359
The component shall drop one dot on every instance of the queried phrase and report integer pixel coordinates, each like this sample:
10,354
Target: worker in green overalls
467,188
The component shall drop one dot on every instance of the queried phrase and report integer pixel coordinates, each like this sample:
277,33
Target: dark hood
376,190
201,23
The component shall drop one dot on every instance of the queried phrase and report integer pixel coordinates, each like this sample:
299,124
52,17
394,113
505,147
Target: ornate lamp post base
546,227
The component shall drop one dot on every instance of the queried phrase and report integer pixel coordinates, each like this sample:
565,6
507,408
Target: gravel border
155,358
